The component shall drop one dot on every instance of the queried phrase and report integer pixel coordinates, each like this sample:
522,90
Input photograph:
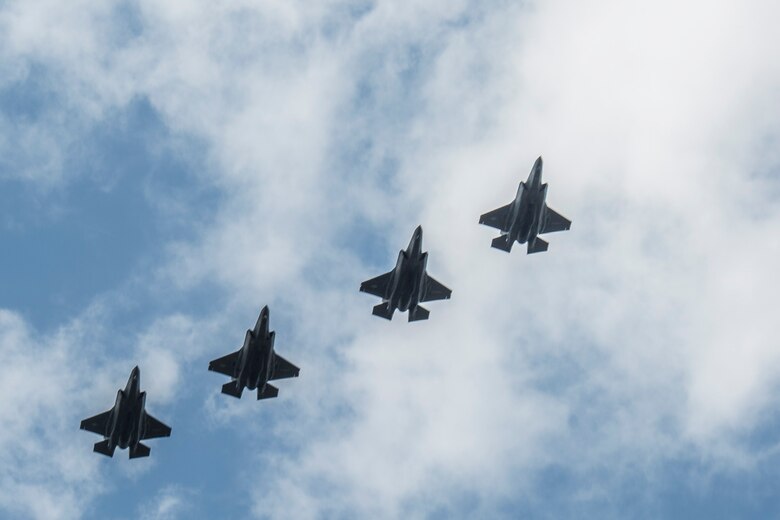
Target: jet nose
416,240
135,377
262,319
535,177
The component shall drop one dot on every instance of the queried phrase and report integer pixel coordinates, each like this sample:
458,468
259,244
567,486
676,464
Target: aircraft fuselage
128,414
407,284
255,361
528,207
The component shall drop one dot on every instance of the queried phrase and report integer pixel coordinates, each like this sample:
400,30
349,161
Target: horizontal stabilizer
268,392
104,448
418,313
233,389
537,246
503,243
383,310
139,450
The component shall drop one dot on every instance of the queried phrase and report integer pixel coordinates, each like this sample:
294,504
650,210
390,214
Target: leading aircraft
255,363
526,217
408,285
127,423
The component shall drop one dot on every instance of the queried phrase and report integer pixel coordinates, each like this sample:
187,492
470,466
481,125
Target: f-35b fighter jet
127,423
526,217
408,285
255,363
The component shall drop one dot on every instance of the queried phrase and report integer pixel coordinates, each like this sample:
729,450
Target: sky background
168,168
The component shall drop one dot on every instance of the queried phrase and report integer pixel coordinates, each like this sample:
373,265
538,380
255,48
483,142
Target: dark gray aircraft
127,423
408,285
255,363
526,217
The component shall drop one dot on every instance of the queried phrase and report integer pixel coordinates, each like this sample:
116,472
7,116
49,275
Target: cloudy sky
168,168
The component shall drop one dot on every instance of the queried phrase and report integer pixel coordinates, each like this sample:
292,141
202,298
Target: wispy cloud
646,333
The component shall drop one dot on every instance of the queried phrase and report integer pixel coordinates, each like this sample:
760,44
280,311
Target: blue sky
167,170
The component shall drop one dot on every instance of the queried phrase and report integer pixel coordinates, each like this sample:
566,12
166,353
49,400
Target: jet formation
127,423
403,289
526,217
255,363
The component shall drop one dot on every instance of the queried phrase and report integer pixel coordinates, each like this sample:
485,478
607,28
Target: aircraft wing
435,290
283,369
97,424
155,428
377,286
554,221
225,365
496,218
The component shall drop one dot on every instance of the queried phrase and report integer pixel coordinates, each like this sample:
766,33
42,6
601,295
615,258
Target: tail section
104,448
139,450
537,246
383,310
503,243
418,313
233,389
268,392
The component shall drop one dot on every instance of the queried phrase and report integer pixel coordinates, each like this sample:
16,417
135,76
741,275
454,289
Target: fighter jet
526,217
127,423
408,285
255,363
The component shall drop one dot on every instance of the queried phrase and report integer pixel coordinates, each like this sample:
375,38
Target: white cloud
170,503
50,382
44,475
645,331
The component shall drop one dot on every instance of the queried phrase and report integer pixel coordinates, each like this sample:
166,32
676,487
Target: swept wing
377,286
283,369
554,221
97,424
226,364
435,290
497,218
155,428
